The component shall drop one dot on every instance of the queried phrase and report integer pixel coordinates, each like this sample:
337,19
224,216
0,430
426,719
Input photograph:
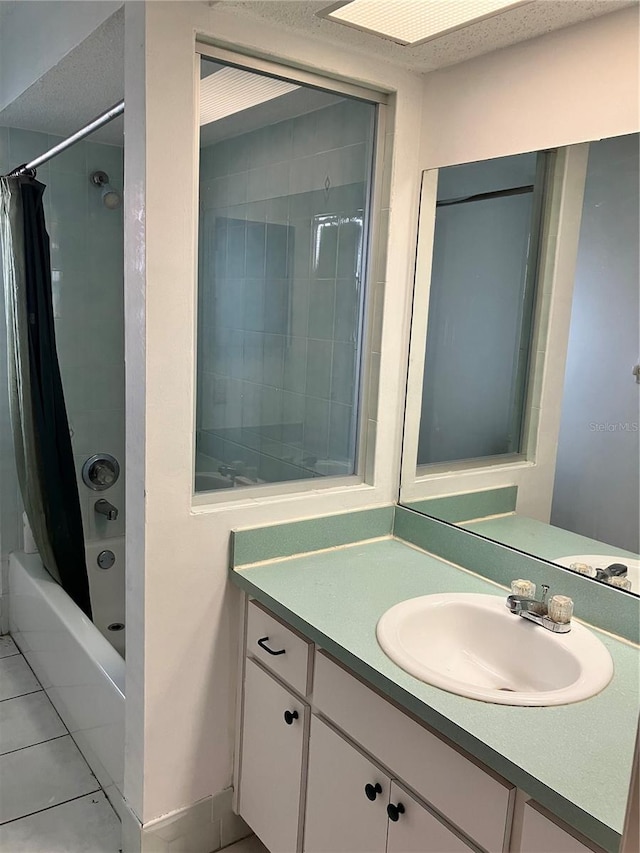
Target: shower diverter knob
100,472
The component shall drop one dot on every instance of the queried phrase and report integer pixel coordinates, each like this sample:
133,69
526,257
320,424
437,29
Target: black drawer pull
262,643
394,812
372,791
290,716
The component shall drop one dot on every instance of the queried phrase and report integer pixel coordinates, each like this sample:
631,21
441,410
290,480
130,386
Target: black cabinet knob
372,791
290,716
394,812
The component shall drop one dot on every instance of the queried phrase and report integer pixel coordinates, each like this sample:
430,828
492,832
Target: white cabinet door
476,801
343,815
271,760
413,829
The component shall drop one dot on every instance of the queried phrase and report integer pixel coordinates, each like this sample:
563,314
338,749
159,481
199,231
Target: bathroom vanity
341,750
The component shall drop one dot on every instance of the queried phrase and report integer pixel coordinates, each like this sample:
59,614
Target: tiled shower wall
281,233
87,279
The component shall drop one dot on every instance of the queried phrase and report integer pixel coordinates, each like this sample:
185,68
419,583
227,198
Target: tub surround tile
28,720
8,647
86,824
16,678
86,259
315,534
42,776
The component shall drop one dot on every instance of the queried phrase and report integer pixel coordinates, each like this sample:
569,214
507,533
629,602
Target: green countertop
574,759
543,540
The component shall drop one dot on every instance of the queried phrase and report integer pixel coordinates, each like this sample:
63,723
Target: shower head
110,198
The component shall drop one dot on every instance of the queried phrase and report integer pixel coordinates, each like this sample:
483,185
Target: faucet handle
560,609
523,588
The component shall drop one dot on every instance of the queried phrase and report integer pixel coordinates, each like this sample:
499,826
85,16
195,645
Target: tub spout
103,507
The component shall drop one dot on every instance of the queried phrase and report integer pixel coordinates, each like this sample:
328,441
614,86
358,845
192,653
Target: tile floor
247,845
50,801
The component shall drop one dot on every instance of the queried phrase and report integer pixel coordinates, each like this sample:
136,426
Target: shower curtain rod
98,122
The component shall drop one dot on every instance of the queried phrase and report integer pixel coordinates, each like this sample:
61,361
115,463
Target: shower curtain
44,457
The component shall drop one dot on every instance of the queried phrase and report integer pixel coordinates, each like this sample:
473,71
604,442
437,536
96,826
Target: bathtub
80,670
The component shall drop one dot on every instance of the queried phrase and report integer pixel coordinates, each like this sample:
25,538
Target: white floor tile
16,678
28,720
7,647
42,776
252,844
86,825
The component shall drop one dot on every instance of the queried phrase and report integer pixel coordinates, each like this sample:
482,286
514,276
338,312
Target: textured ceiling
91,77
524,22
82,85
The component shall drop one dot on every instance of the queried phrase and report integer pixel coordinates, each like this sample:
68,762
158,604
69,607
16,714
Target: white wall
181,612
44,31
572,85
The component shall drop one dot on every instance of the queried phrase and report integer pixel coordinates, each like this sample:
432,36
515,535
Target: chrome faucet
103,507
615,570
536,610
229,471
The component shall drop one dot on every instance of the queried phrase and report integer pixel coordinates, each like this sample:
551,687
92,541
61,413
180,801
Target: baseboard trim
202,827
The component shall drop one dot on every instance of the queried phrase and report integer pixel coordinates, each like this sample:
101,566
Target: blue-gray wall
597,482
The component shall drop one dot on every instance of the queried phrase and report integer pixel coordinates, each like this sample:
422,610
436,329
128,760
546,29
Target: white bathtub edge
81,673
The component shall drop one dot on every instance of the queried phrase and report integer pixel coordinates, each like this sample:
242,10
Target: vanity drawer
475,800
279,648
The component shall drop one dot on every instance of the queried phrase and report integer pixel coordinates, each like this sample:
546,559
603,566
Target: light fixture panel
232,90
411,22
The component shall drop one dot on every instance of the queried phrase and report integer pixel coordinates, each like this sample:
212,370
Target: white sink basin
473,646
601,561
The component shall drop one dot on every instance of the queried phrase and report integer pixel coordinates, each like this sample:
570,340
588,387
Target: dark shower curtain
44,456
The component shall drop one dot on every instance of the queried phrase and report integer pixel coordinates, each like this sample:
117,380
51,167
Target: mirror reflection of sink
601,561
473,646
333,468
209,480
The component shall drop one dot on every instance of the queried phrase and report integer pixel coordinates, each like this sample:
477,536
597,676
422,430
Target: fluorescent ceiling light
410,22
231,91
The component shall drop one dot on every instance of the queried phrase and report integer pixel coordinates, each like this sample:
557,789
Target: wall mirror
521,421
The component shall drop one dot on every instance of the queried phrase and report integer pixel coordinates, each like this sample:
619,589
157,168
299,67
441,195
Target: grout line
42,690
54,806
28,693
29,745
68,734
